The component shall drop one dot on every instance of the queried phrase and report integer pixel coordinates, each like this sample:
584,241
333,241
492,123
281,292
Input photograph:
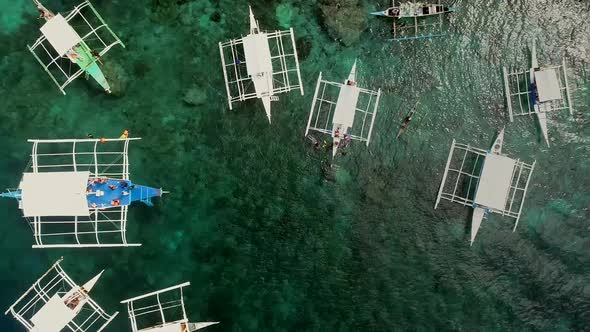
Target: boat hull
87,62
414,10
106,193
541,113
478,216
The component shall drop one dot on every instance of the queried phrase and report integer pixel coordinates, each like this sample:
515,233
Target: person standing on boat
45,13
125,134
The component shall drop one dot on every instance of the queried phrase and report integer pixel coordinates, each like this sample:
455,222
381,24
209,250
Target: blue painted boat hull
118,193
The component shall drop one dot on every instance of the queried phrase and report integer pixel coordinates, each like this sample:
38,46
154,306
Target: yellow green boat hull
89,64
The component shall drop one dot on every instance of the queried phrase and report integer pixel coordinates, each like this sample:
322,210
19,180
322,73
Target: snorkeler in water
314,141
407,121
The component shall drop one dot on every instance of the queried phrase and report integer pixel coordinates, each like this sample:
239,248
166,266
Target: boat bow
380,13
267,106
254,28
498,142
542,119
352,75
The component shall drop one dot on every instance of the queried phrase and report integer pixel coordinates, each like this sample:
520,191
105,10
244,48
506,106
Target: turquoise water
266,242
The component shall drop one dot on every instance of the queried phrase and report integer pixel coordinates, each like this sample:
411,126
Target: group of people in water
345,142
327,146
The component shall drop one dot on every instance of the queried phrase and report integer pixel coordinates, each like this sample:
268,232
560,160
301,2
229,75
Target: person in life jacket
125,134
45,13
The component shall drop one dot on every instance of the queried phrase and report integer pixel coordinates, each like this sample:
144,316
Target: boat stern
542,120
478,215
267,107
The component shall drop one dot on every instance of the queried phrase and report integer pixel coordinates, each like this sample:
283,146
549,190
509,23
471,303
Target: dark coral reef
345,20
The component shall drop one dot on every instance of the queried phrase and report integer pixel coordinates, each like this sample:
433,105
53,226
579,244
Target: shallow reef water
266,242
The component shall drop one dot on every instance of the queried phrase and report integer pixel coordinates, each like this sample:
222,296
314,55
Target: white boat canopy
487,181
55,302
60,34
55,194
343,109
82,26
538,90
161,311
260,65
53,190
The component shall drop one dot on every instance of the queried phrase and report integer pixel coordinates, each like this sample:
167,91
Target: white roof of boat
346,106
495,181
547,85
55,194
60,34
53,316
173,327
257,53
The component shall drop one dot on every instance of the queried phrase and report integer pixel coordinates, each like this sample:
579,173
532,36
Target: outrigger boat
411,19
76,192
546,89
260,65
414,9
494,182
166,307
55,303
62,45
336,118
